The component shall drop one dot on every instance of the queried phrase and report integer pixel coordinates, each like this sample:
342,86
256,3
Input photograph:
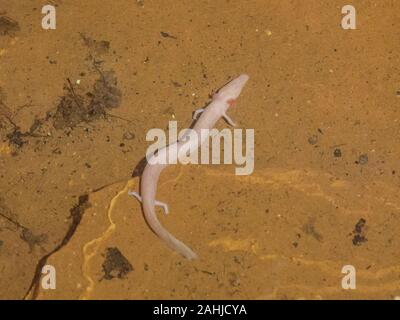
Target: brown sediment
323,103
245,244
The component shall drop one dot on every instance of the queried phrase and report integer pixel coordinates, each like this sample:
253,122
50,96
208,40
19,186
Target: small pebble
363,159
313,139
337,153
128,136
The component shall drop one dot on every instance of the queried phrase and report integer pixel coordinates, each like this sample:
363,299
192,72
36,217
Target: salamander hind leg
156,202
163,205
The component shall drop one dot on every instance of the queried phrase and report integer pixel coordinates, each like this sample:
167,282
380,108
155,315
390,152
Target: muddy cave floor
75,106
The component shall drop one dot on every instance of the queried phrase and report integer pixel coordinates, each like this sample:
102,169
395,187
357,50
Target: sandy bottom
76,104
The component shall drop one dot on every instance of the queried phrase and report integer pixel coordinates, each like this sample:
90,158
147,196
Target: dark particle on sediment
337,153
359,233
167,35
128,136
115,264
313,139
362,159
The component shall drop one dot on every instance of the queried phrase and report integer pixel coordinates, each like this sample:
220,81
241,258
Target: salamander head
231,91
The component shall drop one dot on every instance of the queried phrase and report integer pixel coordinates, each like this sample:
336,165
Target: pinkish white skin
217,109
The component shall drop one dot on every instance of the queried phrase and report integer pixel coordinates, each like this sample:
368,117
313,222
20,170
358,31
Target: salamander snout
231,91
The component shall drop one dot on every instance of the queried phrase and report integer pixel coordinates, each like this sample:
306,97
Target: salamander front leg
157,203
197,112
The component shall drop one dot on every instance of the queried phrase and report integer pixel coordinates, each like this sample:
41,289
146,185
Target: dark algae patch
76,106
96,47
8,26
12,223
309,229
32,239
115,264
91,102
9,128
359,233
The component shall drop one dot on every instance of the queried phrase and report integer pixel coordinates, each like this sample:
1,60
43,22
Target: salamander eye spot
231,102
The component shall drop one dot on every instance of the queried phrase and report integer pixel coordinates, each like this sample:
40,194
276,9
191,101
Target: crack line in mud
26,234
76,214
12,221
88,256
